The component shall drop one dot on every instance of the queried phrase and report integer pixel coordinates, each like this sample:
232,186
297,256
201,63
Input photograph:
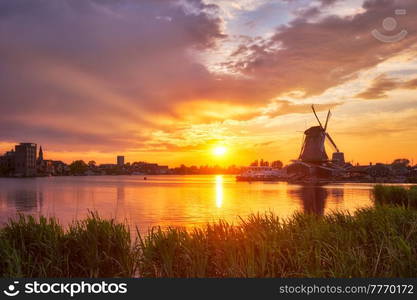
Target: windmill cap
315,130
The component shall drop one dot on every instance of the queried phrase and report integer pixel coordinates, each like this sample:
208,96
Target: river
171,200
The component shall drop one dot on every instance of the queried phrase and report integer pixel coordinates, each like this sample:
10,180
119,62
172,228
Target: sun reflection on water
169,200
219,191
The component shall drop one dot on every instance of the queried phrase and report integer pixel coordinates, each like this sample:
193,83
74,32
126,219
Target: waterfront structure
261,173
313,161
7,163
107,166
40,156
25,159
314,166
44,167
120,160
313,150
23,162
60,168
148,168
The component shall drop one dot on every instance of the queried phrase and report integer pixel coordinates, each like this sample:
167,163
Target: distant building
7,163
107,166
277,164
148,168
120,160
44,167
263,163
255,163
25,159
163,169
40,156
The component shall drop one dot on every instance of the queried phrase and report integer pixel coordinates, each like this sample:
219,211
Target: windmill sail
314,111
329,114
332,142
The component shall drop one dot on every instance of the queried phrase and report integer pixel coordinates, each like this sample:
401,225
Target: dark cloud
92,62
60,138
383,84
285,107
314,56
411,84
108,71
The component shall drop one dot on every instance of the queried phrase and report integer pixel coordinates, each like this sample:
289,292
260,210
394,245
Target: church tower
40,157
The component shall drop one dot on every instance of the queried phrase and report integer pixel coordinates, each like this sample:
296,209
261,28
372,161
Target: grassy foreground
395,195
374,242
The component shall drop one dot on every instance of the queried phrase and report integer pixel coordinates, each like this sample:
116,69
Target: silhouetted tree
401,161
92,164
277,164
400,166
78,167
254,164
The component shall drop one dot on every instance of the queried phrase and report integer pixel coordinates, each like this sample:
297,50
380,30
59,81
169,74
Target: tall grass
374,242
32,248
395,195
94,247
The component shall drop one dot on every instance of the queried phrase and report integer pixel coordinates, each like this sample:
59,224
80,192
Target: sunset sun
219,151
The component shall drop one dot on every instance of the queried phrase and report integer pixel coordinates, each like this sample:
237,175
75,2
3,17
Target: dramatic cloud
88,65
382,85
312,57
137,76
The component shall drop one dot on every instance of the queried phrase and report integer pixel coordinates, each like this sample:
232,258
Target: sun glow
219,191
219,151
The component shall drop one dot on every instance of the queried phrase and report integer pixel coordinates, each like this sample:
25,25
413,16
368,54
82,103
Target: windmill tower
313,150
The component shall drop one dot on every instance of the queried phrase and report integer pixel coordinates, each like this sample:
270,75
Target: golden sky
168,81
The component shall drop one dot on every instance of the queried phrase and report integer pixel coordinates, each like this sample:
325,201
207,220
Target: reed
395,195
99,248
373,242
412,197
32,247
41,247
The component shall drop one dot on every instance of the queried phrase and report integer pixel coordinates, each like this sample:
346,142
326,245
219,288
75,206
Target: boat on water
261,173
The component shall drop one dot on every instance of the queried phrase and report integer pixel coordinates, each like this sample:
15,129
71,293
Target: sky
167,81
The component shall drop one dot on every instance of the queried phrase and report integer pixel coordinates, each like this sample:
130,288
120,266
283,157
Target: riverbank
313,181
373,242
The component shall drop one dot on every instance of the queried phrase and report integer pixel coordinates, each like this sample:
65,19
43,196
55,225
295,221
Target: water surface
171,200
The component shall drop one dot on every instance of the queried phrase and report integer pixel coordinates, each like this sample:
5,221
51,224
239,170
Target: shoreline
372,242
147,176
262,245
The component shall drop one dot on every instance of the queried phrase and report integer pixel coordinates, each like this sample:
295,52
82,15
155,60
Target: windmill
313,164
313,150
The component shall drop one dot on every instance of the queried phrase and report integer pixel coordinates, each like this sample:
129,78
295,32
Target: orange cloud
99,77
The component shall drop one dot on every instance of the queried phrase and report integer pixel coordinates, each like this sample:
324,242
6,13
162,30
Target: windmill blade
332,142
314,111
302,147
327,120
